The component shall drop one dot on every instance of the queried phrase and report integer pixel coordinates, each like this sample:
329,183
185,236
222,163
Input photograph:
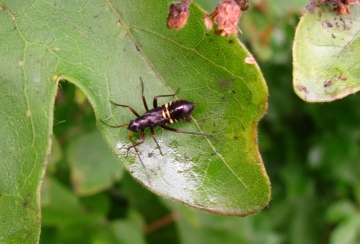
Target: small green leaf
59,204
93,167
126,231
64,212
325,54
347,231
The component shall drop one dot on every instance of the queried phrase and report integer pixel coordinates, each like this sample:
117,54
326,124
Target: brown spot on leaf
342,77
328,24
224,84
301,88
327,83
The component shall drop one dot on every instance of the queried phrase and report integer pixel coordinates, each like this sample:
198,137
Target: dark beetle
165,114
158,116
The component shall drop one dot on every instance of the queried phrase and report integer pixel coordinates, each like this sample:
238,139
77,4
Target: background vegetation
310,152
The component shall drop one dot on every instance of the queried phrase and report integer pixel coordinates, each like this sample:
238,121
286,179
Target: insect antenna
114,126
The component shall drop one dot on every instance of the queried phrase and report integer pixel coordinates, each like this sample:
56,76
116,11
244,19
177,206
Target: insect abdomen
177,110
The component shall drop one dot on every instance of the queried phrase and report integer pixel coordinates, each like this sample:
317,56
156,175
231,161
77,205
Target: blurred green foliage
310,152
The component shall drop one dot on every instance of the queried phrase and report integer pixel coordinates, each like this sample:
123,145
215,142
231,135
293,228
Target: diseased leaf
325,50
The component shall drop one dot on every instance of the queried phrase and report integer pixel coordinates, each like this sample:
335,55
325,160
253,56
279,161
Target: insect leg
137,152
137,144
142,95
153,136
184,132
155,98
170,95
126,106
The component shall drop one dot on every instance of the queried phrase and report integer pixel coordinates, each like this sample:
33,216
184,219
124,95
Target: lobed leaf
103,48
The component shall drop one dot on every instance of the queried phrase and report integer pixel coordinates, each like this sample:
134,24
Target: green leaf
341,210
125,231
347,232
27,95
64,212
59,204
223,175
103,48
325,53
93,167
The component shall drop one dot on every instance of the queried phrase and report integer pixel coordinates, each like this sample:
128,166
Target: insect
162,116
